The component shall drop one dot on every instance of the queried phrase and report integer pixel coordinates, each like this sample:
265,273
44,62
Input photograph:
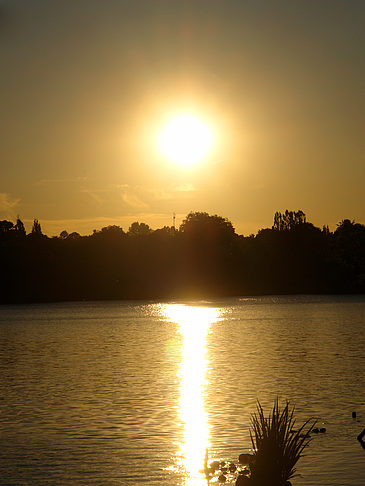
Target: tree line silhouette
204,257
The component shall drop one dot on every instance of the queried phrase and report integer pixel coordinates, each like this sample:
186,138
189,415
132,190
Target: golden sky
87,86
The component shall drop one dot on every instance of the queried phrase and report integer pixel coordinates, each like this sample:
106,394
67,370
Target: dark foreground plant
277,445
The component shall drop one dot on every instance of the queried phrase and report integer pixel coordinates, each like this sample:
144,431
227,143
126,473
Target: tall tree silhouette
288,220
36,229
206,246
19,227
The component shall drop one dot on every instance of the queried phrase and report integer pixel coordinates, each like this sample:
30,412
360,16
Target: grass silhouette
277,445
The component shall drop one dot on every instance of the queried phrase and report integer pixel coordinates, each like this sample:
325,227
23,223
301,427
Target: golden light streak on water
194,323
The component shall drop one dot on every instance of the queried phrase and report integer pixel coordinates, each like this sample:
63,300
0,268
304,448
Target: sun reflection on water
193,324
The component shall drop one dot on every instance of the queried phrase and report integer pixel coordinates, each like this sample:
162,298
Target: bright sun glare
193,324
186,140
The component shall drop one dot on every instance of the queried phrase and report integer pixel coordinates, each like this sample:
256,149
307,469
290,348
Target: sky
86,87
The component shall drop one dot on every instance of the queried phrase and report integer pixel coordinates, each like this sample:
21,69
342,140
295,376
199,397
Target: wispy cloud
134,196
94,194
142,197
44,182
133,201
8,205
183,188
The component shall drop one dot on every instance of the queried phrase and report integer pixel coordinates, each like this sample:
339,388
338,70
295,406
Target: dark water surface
125,393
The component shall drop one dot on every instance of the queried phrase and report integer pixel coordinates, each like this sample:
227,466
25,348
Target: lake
130,393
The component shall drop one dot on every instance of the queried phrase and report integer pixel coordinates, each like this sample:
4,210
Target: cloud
42,182
138,197
133,201
94,195
134,196
7,205
183,188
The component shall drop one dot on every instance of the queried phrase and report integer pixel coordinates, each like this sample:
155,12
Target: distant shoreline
204,258
178,299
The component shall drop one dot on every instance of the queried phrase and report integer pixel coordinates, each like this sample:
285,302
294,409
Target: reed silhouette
360,438
277,445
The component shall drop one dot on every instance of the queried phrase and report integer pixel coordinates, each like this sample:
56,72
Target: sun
185,140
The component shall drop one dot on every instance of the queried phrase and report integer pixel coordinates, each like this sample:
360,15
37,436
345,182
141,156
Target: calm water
115,393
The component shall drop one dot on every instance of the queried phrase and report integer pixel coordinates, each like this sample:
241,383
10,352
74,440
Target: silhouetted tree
36,229
199,223
139,229
5,226
19,227
73,236
289,220
207,243
165,231
109,233
349,249
204,257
